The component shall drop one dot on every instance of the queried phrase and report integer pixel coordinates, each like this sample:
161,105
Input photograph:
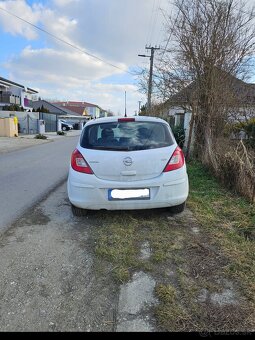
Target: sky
111,33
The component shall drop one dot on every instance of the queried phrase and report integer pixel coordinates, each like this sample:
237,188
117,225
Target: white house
14,93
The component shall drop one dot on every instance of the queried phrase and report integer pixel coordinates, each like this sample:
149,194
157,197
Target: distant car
65,126
127,163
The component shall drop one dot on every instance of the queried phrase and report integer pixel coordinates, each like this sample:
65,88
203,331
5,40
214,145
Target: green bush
179,134
13,107
62,133
40,136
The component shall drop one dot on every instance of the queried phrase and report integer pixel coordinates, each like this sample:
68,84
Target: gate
50,121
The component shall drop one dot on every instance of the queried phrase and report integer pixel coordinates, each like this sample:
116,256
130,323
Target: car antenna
125,105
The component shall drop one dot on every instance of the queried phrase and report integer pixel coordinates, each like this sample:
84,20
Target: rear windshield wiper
110,148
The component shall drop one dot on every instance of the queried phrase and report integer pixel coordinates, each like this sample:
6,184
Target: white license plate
128,194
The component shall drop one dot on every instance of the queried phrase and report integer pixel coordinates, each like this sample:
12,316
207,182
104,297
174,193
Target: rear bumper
89,192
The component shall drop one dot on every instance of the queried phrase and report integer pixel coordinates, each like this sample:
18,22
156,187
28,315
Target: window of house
179,119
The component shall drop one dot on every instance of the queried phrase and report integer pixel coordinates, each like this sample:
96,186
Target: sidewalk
8,144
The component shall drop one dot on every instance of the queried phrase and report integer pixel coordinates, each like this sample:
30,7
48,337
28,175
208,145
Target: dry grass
189,268
237,167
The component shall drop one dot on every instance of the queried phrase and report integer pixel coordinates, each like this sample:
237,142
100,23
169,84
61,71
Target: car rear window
126,136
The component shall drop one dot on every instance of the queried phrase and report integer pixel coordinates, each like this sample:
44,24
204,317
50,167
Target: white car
123,163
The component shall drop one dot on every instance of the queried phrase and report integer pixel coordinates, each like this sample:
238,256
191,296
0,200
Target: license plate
128,194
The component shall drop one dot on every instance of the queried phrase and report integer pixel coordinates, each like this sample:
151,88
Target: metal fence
50,120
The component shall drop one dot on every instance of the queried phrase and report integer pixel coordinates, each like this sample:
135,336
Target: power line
150,22
155,19
170,35
66,42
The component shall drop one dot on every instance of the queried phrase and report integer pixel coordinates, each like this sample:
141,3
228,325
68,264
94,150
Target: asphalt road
26,176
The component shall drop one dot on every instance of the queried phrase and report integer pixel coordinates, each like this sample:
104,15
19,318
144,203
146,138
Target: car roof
115,119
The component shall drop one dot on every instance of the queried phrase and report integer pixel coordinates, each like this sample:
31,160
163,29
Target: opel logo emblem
127,161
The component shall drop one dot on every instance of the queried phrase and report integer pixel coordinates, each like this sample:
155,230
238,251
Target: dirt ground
53,279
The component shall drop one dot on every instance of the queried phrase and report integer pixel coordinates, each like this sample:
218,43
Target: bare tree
213,42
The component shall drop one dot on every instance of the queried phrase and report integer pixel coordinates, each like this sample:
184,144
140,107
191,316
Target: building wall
8,128
27,121
93,111
26,99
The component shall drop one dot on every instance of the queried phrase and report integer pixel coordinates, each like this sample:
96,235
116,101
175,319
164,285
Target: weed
40,136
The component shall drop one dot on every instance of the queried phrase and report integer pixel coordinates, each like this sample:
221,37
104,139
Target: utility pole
139,109
151,72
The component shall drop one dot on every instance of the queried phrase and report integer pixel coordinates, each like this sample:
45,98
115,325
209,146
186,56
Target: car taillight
79,164
123,120
176,161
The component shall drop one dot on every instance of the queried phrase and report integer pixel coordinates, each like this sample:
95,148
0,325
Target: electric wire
150,22
67,43
170,35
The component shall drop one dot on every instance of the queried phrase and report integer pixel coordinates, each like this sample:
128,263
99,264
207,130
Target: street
48,279
29,174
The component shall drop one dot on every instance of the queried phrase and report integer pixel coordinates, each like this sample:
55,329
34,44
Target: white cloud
114,30
118,29
60,64
107,96
17,27
70,76
62,3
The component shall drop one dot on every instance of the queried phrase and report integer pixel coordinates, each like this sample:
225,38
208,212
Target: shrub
237,167
13,107
60,133
179,134
40,136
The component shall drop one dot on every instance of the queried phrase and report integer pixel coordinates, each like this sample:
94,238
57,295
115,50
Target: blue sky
115,31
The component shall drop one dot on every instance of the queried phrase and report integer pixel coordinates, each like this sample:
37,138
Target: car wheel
78,211
64,128
177,209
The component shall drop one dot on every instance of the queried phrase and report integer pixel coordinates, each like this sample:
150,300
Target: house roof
243,92
53,108
76,104
9,82
77,109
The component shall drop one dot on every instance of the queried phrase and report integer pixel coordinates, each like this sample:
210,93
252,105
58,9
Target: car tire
177,209
64,128
78,211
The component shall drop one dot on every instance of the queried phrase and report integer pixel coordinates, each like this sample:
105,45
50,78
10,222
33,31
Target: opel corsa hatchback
127,163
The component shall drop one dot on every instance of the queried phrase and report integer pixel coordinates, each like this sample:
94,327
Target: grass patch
188,267
119,242
166,293
61,133
40,136
116,242
226,217
173,317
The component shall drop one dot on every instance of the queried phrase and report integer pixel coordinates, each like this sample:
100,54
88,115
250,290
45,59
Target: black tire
177,209
78,211
64,128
